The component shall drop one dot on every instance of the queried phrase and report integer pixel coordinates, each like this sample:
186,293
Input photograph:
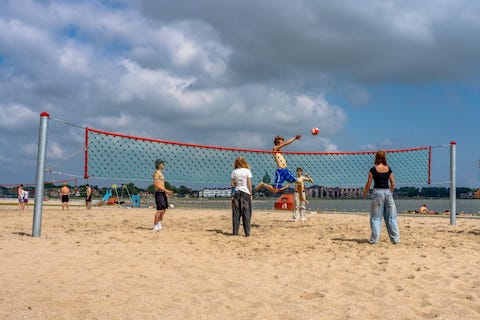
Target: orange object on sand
112,201
284,202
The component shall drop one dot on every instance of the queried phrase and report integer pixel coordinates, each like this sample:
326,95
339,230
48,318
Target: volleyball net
117,156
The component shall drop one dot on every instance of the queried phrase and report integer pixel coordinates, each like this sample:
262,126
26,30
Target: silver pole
41,155
453,187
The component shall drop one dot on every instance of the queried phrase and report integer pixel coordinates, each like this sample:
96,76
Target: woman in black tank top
382,204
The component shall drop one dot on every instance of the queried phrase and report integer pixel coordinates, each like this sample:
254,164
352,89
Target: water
469,206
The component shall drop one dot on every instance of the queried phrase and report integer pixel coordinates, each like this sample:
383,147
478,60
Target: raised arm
286,143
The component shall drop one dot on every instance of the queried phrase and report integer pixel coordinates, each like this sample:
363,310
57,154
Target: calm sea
470,206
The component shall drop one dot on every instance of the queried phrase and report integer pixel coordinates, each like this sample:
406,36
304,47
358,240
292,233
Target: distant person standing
242,197
21,204
25,198
65,194
382,203
161,194
299,195
88,197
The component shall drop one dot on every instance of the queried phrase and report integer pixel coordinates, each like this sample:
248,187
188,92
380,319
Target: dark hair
158,162
277,139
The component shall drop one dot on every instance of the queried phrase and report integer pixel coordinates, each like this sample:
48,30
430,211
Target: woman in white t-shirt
241,195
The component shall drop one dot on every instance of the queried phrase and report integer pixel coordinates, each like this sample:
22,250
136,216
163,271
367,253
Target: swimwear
282,175
161,200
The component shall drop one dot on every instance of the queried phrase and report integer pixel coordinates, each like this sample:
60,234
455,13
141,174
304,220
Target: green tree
266,178
435,192
461,190
409,191
151,188
183,191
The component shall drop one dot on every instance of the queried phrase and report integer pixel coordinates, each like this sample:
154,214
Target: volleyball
315,131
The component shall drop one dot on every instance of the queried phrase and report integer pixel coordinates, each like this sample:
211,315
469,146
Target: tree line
430,192
182,191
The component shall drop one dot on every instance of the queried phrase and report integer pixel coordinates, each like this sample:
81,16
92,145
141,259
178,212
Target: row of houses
311,192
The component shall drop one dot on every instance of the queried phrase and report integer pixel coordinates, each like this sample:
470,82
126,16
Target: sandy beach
107,263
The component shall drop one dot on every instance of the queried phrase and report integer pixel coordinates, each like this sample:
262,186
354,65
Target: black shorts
161,200
88,198
64,198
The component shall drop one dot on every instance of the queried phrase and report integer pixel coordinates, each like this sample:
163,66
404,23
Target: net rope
117,156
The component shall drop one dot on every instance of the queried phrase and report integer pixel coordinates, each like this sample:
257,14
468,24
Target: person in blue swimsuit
282,173
382,203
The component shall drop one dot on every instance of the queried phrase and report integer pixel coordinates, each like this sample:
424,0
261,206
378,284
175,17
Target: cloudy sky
370,74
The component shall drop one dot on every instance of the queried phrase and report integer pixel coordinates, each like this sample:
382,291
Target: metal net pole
42,151
453,187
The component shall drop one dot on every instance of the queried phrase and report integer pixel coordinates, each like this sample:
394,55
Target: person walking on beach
21,204
88,197
65,193
382,203
242,197
299,195
161,194
282,173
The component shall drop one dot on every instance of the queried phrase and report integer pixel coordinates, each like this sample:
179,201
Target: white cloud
193,45
29,149
75,59
16,116
233,77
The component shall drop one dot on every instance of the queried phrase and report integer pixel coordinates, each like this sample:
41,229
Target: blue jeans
383,205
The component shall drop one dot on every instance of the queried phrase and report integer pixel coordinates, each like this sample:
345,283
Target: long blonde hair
381,157
241,162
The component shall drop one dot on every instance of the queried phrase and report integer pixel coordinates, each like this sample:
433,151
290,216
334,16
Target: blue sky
370,74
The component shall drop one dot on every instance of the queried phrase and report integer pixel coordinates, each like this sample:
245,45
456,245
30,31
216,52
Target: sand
107,263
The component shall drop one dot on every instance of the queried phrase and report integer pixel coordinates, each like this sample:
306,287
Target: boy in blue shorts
282,173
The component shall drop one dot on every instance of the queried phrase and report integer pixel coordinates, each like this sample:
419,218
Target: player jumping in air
282,174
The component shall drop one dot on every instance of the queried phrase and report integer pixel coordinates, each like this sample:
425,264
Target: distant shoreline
263,205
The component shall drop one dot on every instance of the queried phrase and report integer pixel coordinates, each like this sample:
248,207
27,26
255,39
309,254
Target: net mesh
116,156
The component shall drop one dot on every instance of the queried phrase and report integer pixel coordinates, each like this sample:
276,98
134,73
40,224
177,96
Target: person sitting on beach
424,210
